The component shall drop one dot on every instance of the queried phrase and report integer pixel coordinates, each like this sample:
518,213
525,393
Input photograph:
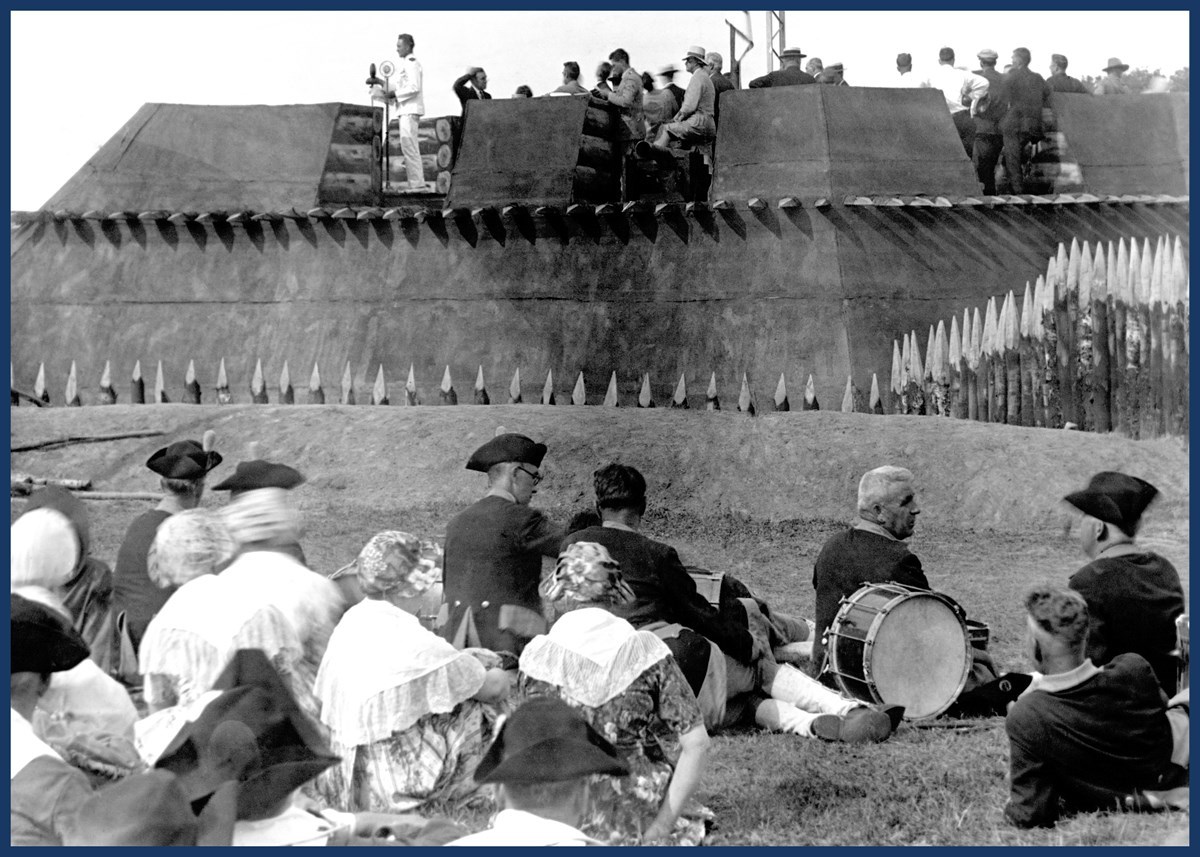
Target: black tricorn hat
41,640
184,459
252,475
253,731
1115,498
507,447
545,740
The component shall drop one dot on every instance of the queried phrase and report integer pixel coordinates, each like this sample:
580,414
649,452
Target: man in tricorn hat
182,467
541,759
1133,595
1111,83
494,550
250,482
1060,81
790,74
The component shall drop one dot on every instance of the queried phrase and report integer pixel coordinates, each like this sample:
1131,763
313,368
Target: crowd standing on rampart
215,690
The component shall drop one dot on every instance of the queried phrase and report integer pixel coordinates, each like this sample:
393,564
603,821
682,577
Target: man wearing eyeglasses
494,550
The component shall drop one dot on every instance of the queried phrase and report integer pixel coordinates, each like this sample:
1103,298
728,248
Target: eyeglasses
532,474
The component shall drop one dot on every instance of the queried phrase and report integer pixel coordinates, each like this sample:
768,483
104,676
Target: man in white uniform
410,107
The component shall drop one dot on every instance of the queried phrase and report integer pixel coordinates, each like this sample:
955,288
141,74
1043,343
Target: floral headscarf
396,563
586,573
187,545
263,516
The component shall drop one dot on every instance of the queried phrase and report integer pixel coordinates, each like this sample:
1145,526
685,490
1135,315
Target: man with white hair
719,81
872,550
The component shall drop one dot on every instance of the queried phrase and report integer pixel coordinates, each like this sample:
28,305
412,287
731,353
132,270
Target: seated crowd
217,691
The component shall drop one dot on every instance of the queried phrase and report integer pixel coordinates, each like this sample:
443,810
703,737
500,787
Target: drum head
920,657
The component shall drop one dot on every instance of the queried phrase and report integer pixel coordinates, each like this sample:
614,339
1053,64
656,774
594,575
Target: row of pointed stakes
1100,342
447,394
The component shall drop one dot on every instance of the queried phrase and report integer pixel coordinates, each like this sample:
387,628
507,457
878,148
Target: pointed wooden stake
1012,360
780,398
71,396
937,370
1032,413
610,395
954,370
258,386
548,388
481,393
137,385
644,399
108,395
514,388
287,395
191,387
224,397
896,386
810,396
13,398
745,399
579,394
446,390
410,386
160,387
679,398
711,402
875,403
848,396
914,385
379,391
347,385
1100,367
39,386
316,395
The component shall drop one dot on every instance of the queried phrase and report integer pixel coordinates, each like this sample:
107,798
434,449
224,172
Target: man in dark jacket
1084,738
987,113
789,75
1133,595
472,86
1060,81
1025,93
494,550
726,651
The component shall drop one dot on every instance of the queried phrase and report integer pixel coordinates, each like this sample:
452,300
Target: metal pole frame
775,37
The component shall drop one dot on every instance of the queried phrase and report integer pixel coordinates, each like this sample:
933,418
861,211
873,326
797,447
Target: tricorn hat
42,641
251,475
255,732
1115,498
545,740
790,53
695,52
184,459
1115,62
507,447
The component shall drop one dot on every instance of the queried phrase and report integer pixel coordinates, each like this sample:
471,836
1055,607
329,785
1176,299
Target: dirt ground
751,496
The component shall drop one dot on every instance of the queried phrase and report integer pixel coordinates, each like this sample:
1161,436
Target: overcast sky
78,76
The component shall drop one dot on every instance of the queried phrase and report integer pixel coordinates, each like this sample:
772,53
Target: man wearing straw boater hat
790,73
1111,83
694,123
1133,595
494,550
541,760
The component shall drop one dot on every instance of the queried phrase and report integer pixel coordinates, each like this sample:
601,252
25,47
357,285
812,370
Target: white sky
78,76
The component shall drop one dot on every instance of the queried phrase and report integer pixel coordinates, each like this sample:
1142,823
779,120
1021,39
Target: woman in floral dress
627,685
410,715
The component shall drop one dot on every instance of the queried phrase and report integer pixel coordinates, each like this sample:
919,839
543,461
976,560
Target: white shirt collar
617,525
871,527
500,492
1063,681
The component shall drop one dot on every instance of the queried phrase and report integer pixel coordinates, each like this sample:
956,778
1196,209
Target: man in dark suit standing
472,86
987,113
1060,81
1025,92
790,75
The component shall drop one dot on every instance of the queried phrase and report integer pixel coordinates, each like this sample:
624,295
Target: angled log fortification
839,219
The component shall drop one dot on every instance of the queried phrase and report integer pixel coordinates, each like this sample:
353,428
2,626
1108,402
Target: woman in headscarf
410,715
627,685
87,590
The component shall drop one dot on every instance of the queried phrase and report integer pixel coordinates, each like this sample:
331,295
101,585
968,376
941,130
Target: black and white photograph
599,427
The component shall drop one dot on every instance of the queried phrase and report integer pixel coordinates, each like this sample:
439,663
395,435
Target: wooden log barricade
1100,342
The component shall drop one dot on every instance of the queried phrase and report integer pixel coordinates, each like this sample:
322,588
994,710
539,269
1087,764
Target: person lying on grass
725,652
1084,738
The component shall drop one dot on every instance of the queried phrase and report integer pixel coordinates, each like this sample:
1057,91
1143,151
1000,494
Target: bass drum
898,645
